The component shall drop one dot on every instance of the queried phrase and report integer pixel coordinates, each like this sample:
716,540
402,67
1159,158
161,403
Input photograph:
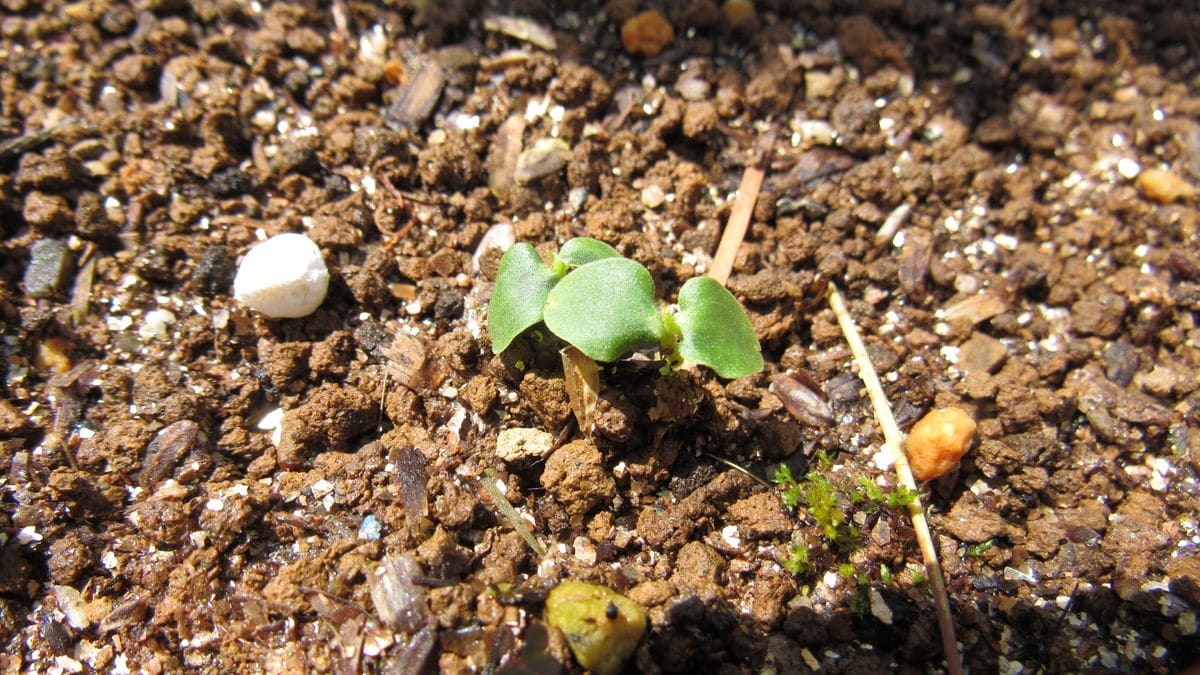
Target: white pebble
693,88
283,277
1128,168
816,132
653,196
157,324
500,236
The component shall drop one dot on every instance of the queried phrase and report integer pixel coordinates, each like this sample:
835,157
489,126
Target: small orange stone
739,13
394,73
938,441
646,34
1163,186
52,355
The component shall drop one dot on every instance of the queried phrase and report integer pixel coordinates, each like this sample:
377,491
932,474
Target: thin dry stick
893,440
510,514
743,209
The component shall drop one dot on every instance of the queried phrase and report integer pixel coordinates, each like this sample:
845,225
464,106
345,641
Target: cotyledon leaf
583,250
522,285
605,309
716,331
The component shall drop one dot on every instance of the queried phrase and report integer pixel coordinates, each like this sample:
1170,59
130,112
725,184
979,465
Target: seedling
823,504
885,574
797,562
977,550
603,305
868,491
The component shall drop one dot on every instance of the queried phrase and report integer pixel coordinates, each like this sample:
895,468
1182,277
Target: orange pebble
1163,186
938,441
739,13
393,72
646,34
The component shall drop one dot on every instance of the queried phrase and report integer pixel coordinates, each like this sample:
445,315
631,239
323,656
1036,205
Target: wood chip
415,100
975,309
521,28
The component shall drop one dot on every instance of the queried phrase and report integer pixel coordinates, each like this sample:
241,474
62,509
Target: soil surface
1005,193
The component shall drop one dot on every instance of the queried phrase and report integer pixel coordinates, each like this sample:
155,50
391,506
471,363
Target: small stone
214,272
156,324
1121,362
1099,312
653,196
49,265
646,34
575,476
879,607
981,354
819,84
546,157
601,626
1163,186
970,521
1128,168
13,422
283,277
53,355
91,220
975,309
514,445
699,118
231,182
693,88
47,213
740,14
938,441
1160,381
138,71
816,132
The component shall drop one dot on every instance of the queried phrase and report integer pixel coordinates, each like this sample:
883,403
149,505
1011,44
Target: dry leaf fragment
583,387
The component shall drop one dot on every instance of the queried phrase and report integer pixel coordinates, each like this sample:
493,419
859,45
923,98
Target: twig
510,514
893,440
736,467
81,294
12,148
743,209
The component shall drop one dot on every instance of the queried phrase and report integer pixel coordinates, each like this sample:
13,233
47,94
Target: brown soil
157,514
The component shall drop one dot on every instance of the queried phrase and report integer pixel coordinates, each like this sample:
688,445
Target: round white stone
283,277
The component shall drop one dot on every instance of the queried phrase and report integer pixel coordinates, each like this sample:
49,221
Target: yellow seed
938,441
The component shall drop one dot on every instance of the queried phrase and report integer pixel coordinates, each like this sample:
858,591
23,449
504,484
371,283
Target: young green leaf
605,309
522,284
583,250
716,331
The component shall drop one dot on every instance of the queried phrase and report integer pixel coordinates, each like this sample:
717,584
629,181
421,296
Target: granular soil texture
1005,193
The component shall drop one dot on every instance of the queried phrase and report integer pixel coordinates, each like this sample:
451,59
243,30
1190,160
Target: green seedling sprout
603,305
798,560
